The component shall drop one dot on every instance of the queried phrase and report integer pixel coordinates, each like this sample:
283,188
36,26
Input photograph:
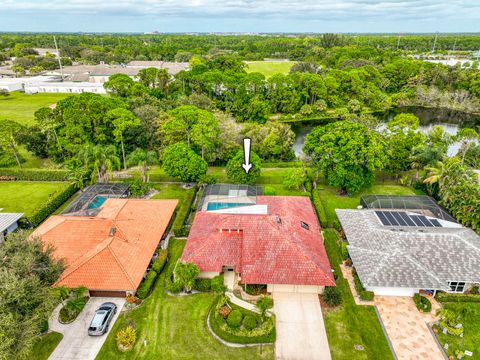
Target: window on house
304,225
456,286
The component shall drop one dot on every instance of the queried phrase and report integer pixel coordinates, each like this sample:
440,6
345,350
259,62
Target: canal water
451,120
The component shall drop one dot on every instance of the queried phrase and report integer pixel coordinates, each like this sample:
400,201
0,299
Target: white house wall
208,274
391,291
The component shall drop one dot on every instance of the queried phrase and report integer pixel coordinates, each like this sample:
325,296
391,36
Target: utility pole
58,54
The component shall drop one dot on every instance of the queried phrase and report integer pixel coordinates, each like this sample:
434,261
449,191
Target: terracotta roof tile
96,259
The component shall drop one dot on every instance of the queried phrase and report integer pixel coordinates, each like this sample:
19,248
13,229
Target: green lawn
471,339
174,327
350,324
27,196
45,345
331,201
20,107
269,68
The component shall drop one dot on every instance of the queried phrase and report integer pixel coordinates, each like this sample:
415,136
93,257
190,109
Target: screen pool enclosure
226,196
93,197
422,204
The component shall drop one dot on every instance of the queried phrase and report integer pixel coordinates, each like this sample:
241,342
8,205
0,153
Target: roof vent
112,231
278,219
305,225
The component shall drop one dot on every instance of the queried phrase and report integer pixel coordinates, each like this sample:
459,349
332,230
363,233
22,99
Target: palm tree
79,177
62,293
80,292
75,305
103,160
144,159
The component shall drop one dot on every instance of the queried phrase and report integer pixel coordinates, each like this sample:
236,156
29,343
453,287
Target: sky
318,16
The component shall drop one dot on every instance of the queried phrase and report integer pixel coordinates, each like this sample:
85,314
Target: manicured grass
281,191
267,175
331,200
269,68
27,196
21,107
350,324
471,340
174,327
45,345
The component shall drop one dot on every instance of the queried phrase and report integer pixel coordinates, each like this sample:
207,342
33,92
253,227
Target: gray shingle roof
413,257
7,219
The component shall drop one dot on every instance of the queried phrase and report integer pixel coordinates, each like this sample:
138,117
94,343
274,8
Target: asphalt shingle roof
412,257
7,219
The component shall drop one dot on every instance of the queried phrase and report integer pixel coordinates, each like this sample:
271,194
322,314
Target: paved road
301,332
76,344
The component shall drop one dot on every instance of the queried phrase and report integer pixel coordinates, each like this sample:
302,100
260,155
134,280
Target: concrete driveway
301,332
76,344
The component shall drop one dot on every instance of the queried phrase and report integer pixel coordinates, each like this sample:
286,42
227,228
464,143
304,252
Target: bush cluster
181,217
35,174
445,297
203,284
332,296
126,337
47,209
147,284
422,303
367,295
345,254
159,264
234,319
249,322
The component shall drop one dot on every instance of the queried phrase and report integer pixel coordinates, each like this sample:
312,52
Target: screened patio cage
423,204
229,193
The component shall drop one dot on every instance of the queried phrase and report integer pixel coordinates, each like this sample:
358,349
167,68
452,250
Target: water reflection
451,120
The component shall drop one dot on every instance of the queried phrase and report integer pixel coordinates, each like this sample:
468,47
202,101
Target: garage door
101,293
309,289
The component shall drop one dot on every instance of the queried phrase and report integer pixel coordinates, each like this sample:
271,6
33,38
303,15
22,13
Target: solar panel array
399,218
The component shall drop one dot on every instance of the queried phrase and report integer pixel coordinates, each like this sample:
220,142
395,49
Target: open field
350,324
269,68
21,107
174,327
26,196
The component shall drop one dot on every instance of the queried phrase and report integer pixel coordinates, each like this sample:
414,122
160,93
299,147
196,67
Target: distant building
63,87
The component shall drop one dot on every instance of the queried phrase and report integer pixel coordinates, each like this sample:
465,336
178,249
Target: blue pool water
96,202
222,205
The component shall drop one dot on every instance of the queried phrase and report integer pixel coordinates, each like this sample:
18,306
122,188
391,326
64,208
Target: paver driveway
76,344
407,328
301,332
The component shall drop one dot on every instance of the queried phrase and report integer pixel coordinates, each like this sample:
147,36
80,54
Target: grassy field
45,345
174,327
20,107
26,196
269,68
350,324
332,201
471,340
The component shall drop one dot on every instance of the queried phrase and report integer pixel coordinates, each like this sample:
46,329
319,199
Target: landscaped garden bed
235,324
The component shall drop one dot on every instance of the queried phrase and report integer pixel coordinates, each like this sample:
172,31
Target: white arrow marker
246,149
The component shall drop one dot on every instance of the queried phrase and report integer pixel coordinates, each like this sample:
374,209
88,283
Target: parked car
101,319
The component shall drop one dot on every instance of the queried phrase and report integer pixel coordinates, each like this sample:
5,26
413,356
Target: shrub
367,295
234,319
254,289
138,188
269,191
317,203
36,174
175,287
218,284
146,285
126,337
445,297
422,303
358,284
132,299
202,284
224,311
49,207
263,304
345,255
159,264
249,322
474,290
348,262
332,296
182,214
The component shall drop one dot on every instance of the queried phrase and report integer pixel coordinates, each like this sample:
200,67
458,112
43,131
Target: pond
451,120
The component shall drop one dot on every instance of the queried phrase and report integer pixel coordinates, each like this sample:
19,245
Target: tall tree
237,174
144,159
101,159
205,131
9,130
182,162
122,119
347,153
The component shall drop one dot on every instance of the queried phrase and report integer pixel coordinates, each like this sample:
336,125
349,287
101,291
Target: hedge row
35,174
45,211
159,264
446,297
181,217
317,203
203,284
282,164
147,284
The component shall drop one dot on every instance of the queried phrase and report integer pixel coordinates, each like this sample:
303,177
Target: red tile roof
260,248
96,259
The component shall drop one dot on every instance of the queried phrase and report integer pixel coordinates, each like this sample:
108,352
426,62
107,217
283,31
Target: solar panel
399,218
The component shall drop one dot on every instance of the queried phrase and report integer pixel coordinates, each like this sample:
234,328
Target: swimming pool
223,205
96,202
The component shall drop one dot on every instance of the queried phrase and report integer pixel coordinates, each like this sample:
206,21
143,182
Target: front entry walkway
407,328
301,332
76,344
